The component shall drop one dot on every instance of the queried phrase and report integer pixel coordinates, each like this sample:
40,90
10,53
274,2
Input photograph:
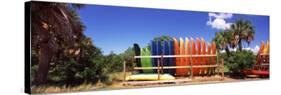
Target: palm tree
55,28
242,31
223,40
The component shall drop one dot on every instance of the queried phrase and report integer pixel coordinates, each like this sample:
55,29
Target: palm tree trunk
240,45
45,56
227,51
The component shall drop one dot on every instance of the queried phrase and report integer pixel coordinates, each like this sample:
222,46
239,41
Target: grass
115,81
64,88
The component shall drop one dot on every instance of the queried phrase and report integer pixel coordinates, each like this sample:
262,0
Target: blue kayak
165,51
153,52
171,60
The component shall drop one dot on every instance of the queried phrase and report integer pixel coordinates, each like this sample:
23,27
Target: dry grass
116,83
56,89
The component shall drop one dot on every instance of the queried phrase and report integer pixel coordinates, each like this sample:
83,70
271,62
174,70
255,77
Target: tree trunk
240,45
45,56
227,51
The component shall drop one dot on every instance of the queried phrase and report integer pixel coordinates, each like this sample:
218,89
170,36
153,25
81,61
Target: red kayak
256,72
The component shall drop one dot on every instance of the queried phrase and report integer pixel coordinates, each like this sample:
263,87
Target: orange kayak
187,52
214,51
203,52
177,52
208,59
197,51
182,71
193,52
260,52
266,48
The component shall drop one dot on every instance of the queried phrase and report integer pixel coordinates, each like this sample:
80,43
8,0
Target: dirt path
119,84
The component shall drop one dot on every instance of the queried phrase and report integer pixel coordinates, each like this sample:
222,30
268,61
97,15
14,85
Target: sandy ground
195,81
119,84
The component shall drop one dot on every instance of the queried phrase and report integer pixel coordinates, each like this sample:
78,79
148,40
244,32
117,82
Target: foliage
61,53
239,60
74,70
162,38
127,56
56,31
90,66
241,30
224,40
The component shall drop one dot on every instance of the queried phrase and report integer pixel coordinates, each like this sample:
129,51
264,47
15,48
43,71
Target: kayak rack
261,67
218,64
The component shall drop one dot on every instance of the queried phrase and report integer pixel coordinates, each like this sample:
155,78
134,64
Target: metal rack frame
219,64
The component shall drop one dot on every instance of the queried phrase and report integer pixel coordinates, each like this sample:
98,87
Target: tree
127,56
55,29
162,38
242,31
86,67
239,60
224,40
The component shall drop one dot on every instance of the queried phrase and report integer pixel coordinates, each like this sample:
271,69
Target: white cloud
217,20
232,49
221,15
222,51
255,50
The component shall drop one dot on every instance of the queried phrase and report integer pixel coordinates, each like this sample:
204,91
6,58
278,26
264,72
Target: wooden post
124,71
162,63
158,68
222,69
217,62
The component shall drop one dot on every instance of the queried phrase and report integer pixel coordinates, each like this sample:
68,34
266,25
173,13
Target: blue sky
117,28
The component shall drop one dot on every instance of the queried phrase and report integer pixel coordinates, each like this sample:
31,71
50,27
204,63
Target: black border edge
27,52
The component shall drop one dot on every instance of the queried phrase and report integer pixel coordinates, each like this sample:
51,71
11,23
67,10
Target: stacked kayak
181,46
138,53
146,62
262,59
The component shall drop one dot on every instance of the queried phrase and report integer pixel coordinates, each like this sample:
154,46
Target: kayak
172,60
153,52
137,53
149,77
260,52
197,61
203,52
214,60
208,59
158,51
187,52
193,52
146,62
165,51
177,52
183,71
266,48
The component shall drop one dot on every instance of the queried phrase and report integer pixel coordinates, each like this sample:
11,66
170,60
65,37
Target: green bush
239,60
89,66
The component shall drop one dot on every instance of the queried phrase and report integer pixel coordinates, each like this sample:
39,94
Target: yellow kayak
149,77
266,49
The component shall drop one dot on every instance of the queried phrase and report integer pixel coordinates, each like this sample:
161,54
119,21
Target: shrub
239,60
